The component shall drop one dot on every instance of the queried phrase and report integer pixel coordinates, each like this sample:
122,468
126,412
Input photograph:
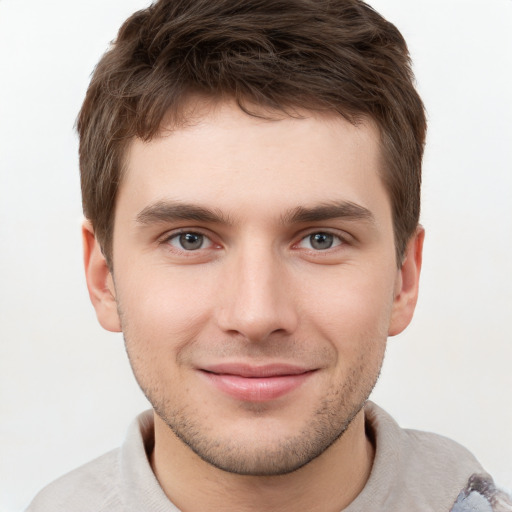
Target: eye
190,241
320,241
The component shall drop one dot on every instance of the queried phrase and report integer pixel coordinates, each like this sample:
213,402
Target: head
281,56
251,176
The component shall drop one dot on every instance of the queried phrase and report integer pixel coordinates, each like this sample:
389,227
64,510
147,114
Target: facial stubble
256,456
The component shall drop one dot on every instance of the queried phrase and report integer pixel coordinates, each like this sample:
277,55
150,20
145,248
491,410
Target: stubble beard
325,426
291,453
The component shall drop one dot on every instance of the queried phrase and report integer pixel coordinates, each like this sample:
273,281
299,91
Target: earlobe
99,281
407,284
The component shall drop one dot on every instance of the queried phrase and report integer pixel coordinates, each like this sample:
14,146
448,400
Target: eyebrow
171,211
328,211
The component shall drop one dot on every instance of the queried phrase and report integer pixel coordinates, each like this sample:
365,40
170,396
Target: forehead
224,158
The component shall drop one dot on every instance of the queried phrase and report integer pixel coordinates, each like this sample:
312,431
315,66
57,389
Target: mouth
254,383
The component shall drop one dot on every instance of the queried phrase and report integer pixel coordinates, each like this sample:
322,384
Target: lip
256,383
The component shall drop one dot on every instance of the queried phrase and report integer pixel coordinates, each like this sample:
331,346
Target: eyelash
337,240
167,240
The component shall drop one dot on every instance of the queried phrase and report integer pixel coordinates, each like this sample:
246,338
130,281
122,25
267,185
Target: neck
328,483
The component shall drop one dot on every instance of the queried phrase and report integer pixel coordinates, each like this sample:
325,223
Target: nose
256,300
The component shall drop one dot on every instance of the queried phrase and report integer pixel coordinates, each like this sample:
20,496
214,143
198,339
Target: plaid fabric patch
481,495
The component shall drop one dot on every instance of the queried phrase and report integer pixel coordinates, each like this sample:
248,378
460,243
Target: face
255,282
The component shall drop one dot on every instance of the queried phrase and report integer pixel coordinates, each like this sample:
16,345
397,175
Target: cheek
351,307
163,296
156,331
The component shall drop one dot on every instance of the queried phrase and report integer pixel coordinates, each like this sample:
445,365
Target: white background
66,390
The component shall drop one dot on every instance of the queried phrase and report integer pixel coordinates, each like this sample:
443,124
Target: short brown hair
336,55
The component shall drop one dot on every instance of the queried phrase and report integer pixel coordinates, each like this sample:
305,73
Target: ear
407,284
99,281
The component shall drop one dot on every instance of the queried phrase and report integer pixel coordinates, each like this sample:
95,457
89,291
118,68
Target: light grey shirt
412,471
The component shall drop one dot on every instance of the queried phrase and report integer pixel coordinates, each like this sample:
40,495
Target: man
251,181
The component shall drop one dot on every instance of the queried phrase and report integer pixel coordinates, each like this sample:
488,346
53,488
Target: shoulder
446,458
92,486
415,450
118,481
416,470
438,453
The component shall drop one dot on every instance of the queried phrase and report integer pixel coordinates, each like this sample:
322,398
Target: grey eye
190,241
321,241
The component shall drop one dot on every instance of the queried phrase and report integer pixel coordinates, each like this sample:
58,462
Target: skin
267,245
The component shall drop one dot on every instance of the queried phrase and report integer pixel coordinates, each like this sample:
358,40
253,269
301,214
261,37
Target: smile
256,383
